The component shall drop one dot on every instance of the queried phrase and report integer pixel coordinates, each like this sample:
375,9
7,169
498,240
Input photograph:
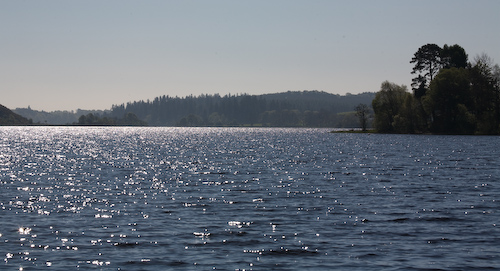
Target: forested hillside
289,109
7,117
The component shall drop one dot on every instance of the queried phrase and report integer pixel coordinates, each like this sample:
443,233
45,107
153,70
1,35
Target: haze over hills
287,109
55,117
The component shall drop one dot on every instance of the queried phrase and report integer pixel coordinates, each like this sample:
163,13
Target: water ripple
246,199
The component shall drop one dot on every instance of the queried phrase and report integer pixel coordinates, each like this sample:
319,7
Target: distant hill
317,100
55,117
7,117
287,109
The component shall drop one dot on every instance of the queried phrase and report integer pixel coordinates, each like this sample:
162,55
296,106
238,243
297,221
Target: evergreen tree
428,62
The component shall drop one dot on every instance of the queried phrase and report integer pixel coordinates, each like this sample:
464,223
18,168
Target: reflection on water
246,199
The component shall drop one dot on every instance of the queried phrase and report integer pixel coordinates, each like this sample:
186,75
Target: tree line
128,119
289,109
450,95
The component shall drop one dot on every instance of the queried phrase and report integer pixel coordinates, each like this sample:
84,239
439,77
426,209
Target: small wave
439,240
282,251
237,233
146,261
241,242
239,224
177,263
442,219
368,255
400,220
211,172
202,234
126,244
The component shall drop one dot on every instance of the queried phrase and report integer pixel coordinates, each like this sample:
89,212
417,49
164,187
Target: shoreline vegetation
450,95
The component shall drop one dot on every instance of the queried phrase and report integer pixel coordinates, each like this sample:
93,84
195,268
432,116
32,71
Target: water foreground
115,198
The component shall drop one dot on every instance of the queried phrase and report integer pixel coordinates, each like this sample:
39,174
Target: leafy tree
448,102
387,105
485,91
454,57
191,120
408,119
428,62
129,119
215,119
87,119
362,112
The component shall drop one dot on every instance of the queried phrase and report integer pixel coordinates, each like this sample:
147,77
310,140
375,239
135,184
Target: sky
68,55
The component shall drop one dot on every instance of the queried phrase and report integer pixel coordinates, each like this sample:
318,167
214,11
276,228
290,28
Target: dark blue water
246,199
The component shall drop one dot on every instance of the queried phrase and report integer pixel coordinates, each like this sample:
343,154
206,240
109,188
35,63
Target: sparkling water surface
113,198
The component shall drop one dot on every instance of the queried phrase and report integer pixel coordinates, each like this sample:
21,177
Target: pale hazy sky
64,55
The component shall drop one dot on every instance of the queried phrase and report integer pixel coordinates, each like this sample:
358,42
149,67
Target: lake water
101,198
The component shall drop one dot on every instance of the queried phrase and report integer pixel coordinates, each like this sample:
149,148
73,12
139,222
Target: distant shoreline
354,131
